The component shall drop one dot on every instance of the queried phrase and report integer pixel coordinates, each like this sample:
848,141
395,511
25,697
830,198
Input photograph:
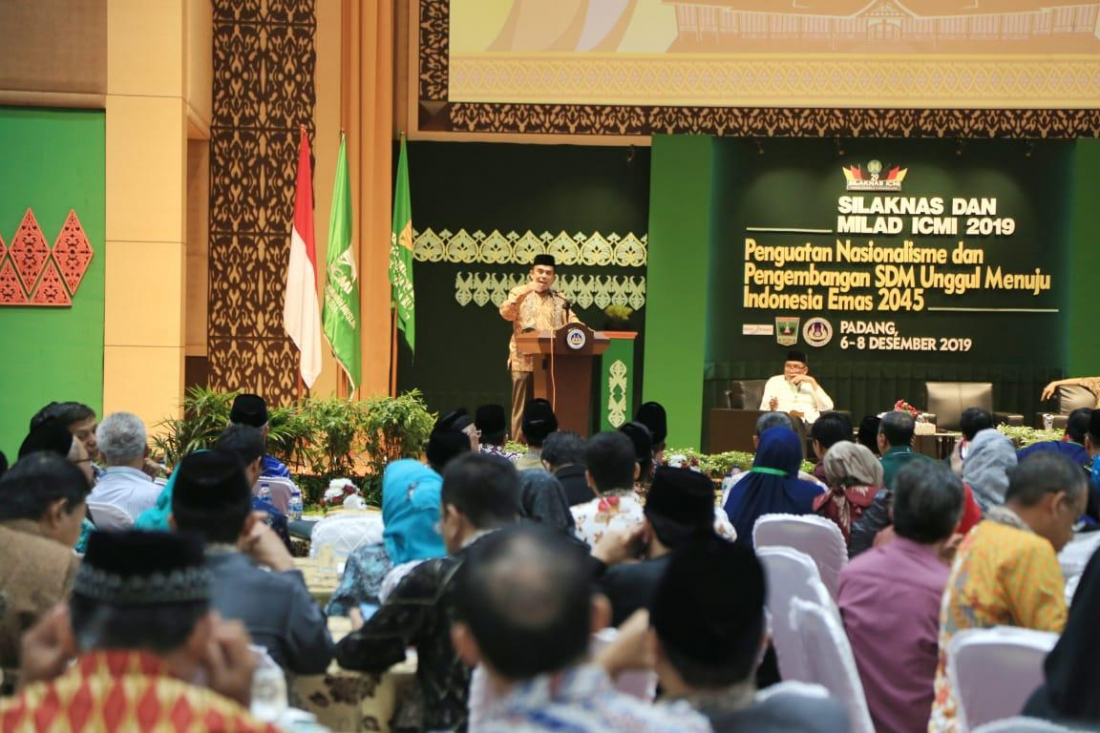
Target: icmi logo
576,338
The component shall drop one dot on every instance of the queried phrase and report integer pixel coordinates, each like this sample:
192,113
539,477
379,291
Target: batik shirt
538,311
123,690
1004,575
615,510
582,700
364,572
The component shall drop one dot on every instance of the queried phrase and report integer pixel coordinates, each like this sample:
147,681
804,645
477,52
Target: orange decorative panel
51,289
72,252
33,274
11,291
29,251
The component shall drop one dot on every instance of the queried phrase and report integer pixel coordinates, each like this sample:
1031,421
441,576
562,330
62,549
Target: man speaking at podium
532,307
795,391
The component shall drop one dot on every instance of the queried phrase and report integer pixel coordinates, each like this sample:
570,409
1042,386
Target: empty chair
791,574
815,536
280,488
346,531
109,517
1021,724
829,661
993,671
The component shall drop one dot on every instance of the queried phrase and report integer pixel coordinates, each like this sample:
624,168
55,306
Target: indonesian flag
301,310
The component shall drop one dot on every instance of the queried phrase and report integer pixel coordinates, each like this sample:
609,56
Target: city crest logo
786,330
817,332
873,179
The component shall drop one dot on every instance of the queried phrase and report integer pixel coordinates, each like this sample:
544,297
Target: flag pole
393,352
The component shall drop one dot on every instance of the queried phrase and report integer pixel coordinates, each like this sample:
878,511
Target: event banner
905,249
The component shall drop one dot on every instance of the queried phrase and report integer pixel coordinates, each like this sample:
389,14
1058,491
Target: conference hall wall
479,210
968,277
53,163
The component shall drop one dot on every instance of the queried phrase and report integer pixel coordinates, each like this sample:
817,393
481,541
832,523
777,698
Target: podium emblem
576,338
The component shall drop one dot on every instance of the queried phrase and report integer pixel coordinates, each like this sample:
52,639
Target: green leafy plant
717,465
205,415
393,428
1024,436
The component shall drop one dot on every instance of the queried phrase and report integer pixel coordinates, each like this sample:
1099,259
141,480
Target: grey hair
773,420
121,438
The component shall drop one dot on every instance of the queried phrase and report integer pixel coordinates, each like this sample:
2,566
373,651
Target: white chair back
280,488
829,660
993,671
346,531
641,684
816,536
1021,724
109,517
791,574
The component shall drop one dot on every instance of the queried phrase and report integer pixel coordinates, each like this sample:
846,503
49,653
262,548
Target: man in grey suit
212,498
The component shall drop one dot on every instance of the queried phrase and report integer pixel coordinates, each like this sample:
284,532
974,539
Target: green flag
341,312
402,296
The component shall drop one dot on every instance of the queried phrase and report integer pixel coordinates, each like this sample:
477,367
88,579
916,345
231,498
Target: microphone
568,305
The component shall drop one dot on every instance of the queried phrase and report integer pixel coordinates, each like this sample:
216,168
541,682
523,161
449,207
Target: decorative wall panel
437,112
264,59
33,273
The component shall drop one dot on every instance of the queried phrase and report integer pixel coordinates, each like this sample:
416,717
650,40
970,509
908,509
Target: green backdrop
706,192
53,161
461,350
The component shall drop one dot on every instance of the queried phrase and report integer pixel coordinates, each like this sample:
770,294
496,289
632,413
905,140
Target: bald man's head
526,596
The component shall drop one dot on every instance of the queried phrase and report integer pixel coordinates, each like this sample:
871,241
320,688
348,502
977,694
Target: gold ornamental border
764,79
438,113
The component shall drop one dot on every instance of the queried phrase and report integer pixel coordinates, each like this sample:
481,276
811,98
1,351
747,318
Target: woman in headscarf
772,486
1068,694
986,467
853,476
542,501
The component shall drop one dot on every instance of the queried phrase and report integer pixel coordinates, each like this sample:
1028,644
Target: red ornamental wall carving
34,274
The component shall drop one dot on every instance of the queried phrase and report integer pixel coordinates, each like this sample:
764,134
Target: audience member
1068,694
889,598
410,515
765,422
254,578
706,637
895,442
247,444
867,434
78,419
491,423
678,509
973,420
3,464
563,456
828,430
122,441
643,451
542,501
1072,444
479,494
524,612
251,409
459,421
141,628
987,465
41,508
773,486
654,417
613,469
539,422
854,477
50,436
1006,572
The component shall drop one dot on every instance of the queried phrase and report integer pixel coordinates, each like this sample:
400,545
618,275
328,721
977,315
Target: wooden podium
563,370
